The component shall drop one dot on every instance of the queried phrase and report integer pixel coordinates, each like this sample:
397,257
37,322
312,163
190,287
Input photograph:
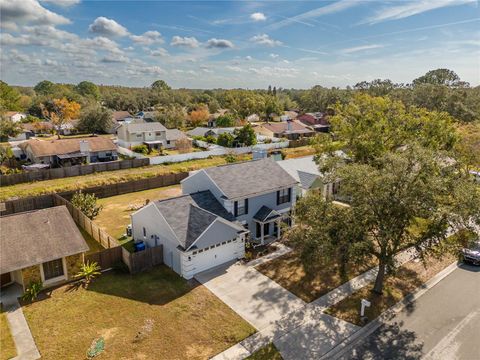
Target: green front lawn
155,314
94,245
409,277
7,346
289,271
268,352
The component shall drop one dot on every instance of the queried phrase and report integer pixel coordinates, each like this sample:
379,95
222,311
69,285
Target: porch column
261,232
278,229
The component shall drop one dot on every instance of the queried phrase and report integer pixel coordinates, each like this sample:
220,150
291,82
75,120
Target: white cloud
189,42
274,56
153,70
219,43
148,38
258,16
49,62
159,52
114,59
275,71
361,48
235,68
107,27
14,12
324,10
412,8
266,40
248,58
62,3
102,43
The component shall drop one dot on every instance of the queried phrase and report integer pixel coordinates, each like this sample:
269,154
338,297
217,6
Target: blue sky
228,44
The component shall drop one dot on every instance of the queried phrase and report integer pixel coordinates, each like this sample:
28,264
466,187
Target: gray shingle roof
175,134
142,127
35,237
190,215
264,214
303,169
249,178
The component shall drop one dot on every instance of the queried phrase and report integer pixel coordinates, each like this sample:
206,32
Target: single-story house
119,116
40,127
68,152
41,245
253,118
318,121
14,116
291,129
213,117
196,232
152,134
147,116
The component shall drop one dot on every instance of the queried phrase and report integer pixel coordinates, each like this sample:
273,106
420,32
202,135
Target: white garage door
218,255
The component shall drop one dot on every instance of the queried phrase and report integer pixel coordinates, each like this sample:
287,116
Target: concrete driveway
252,295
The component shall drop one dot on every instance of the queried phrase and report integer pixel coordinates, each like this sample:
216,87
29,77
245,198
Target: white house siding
200,181
158,232
194,262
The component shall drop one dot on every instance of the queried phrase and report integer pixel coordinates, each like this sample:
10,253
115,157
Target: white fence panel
127,152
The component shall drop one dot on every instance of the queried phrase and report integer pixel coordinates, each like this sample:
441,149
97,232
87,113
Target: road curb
365,331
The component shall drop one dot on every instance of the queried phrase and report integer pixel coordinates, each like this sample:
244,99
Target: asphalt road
443,324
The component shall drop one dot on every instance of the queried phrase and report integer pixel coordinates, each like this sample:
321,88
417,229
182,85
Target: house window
139,135
53,269
158,133
144,232
283,196
240,207
168,142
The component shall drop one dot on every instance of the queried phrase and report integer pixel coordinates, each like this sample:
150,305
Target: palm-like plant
88,272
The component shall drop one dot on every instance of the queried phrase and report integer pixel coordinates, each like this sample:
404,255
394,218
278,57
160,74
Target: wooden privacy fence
143,260
45,201
70,171
101,236
107,258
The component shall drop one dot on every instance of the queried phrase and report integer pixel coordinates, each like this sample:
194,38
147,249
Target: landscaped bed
7,346
289,272
155,314
409,276
268,352
115,215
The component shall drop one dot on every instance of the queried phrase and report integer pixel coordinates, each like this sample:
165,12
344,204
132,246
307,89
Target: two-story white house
152,134
222,207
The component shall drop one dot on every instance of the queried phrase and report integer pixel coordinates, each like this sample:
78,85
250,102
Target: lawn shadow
158,286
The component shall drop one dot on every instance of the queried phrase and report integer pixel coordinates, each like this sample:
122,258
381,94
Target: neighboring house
308,176
120,116
152,134
317,121
68,152
253,118
147,116
196,232
206,131
292,130
209,224
213,117
41,245
14,116
39,128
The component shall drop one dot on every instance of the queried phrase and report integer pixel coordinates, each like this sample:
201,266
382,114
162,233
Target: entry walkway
22,337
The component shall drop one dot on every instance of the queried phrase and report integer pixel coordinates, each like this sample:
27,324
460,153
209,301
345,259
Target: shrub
87,204
230,158
140,149
211,139
32,291
88,271
225,139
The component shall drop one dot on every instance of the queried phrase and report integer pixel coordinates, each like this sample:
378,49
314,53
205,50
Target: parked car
471,254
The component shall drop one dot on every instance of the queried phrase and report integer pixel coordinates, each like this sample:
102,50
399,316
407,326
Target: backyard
115,215
7,346
155,312
289,272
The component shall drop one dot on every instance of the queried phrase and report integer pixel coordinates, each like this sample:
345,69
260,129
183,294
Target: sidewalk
22,337
308,332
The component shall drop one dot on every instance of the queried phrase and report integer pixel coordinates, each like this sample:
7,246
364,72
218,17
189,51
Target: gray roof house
221,207
152,134
41,245
207,131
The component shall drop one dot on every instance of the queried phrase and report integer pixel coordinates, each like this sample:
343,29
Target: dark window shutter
278,197
246,206
235,208
289,194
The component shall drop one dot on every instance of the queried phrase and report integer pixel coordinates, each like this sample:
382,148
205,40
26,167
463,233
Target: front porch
267,226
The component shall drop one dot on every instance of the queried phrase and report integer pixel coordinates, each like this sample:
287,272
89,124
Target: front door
5,279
